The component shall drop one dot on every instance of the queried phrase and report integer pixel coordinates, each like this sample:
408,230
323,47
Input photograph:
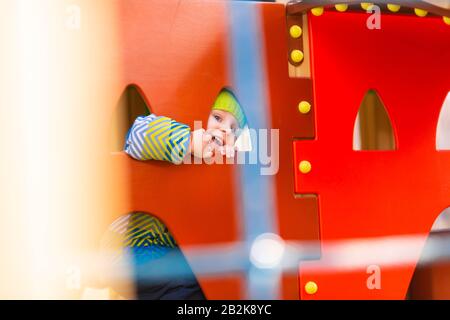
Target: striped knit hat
226,101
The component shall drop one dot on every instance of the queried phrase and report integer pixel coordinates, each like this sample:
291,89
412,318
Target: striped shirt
158,138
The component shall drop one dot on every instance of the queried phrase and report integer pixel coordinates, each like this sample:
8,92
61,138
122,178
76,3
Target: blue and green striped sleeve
158,138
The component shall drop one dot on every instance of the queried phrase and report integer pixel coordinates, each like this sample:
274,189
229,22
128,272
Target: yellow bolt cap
304,107
366,5
341,7
295,31
447,20
305,167
297,56
311,287
394,7
317,11
420,12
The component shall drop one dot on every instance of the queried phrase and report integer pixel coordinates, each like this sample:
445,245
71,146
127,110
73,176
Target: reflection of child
161,138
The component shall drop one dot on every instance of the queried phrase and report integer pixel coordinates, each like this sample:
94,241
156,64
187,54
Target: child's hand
200,145
225,140
228,151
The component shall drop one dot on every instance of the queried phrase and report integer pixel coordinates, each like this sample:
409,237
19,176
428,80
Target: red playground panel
374,194
178,55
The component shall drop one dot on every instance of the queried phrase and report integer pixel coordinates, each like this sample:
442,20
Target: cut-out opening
130,106
443,127
142,260
373,128
431,279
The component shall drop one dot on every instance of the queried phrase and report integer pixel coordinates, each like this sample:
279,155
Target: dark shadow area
131,105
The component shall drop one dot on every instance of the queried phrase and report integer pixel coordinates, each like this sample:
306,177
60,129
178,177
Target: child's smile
222,125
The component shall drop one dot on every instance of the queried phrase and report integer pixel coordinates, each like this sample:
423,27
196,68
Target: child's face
224,122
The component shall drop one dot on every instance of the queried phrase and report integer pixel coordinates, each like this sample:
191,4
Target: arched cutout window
443,128
442,222
373,128
431,278
130,106
141,260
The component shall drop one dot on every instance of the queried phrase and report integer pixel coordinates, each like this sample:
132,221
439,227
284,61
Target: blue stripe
249,78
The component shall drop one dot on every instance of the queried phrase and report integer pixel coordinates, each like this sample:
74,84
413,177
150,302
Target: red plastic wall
369,194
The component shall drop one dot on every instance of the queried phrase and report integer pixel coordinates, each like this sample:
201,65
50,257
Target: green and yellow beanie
226,101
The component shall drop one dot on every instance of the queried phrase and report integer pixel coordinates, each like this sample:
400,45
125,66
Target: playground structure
360,171
355,89
303,68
